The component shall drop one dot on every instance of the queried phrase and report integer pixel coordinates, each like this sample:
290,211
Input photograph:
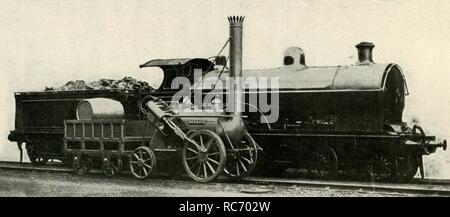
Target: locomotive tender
332,121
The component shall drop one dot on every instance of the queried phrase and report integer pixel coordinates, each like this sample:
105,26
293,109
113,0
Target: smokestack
236,23
365,52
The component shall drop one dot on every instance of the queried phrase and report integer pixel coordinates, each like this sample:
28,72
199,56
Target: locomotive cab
174,68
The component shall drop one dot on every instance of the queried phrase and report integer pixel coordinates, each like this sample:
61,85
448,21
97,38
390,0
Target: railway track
50,167
438,187
425,188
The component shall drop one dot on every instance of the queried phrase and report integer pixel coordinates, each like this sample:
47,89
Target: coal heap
126,83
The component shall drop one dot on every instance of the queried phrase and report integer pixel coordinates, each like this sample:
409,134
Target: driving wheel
323,162
204,157
242,160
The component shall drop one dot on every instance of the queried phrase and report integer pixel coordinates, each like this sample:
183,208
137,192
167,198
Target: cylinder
236,23
99,108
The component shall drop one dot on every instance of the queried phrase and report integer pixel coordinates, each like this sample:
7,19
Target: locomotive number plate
196,122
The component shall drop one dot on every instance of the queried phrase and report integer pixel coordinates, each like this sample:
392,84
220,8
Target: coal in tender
126,83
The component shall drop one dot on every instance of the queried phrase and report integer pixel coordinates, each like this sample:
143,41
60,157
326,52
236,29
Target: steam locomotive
332,121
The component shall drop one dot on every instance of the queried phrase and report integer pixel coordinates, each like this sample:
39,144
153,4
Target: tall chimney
236,23
365,52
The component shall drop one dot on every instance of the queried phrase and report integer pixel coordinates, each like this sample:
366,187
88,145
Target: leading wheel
242,160
380,167
205,158
408,165
323,162
142,162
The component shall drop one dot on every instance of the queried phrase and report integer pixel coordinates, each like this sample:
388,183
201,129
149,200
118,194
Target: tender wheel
112,165
81,164
142,162
38,160
380,167
35,153
242,161
323,162
205,160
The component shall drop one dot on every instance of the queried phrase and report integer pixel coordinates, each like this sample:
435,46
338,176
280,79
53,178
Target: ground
26,183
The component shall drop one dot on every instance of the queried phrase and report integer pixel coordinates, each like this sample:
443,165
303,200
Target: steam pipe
236,23
233,129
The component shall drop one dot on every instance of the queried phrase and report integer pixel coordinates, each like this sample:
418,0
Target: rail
433,187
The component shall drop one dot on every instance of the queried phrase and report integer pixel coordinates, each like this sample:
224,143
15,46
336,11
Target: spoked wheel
323,162
242,160
205,160
111,165
36,154
142,162
81,164
380,167
408,165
